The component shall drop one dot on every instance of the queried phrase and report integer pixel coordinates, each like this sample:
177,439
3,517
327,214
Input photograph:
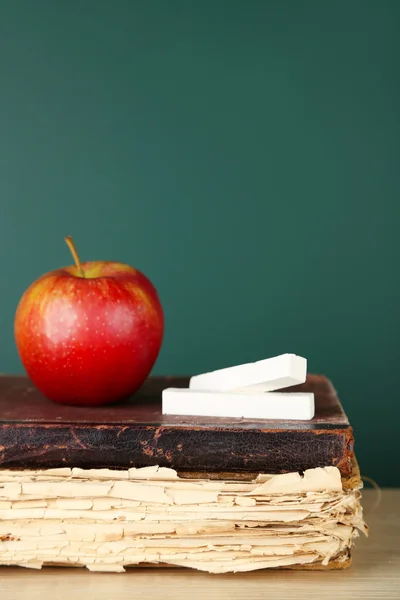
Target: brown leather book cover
36,433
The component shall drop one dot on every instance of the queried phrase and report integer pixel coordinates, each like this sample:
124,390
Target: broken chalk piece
262,376
250,405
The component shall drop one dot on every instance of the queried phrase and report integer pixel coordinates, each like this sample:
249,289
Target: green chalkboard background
243,154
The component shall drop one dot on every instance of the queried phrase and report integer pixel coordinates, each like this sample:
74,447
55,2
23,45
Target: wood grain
375,573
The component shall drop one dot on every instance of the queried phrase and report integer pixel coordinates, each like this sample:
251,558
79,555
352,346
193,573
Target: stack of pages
107,520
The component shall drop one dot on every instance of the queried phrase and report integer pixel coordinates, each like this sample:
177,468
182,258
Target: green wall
243,154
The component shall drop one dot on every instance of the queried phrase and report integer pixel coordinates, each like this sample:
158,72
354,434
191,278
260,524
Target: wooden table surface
375,573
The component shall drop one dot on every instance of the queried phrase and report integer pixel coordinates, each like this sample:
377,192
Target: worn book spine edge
44,446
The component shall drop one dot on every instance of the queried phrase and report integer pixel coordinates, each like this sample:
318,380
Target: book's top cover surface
37,433
21,402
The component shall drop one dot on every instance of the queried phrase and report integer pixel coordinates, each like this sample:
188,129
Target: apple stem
74,252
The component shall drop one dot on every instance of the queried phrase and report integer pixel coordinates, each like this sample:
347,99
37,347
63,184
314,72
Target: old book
122,486
38,434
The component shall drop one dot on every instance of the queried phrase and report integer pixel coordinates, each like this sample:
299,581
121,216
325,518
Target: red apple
89,334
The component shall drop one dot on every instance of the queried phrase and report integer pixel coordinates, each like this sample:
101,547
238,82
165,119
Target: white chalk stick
263,376
272,405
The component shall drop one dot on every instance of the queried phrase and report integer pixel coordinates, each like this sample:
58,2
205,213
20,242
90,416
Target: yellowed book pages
109,520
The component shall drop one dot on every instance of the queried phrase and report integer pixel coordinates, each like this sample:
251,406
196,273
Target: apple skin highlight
93,339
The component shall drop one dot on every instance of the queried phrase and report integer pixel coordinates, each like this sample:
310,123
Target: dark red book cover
37,433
